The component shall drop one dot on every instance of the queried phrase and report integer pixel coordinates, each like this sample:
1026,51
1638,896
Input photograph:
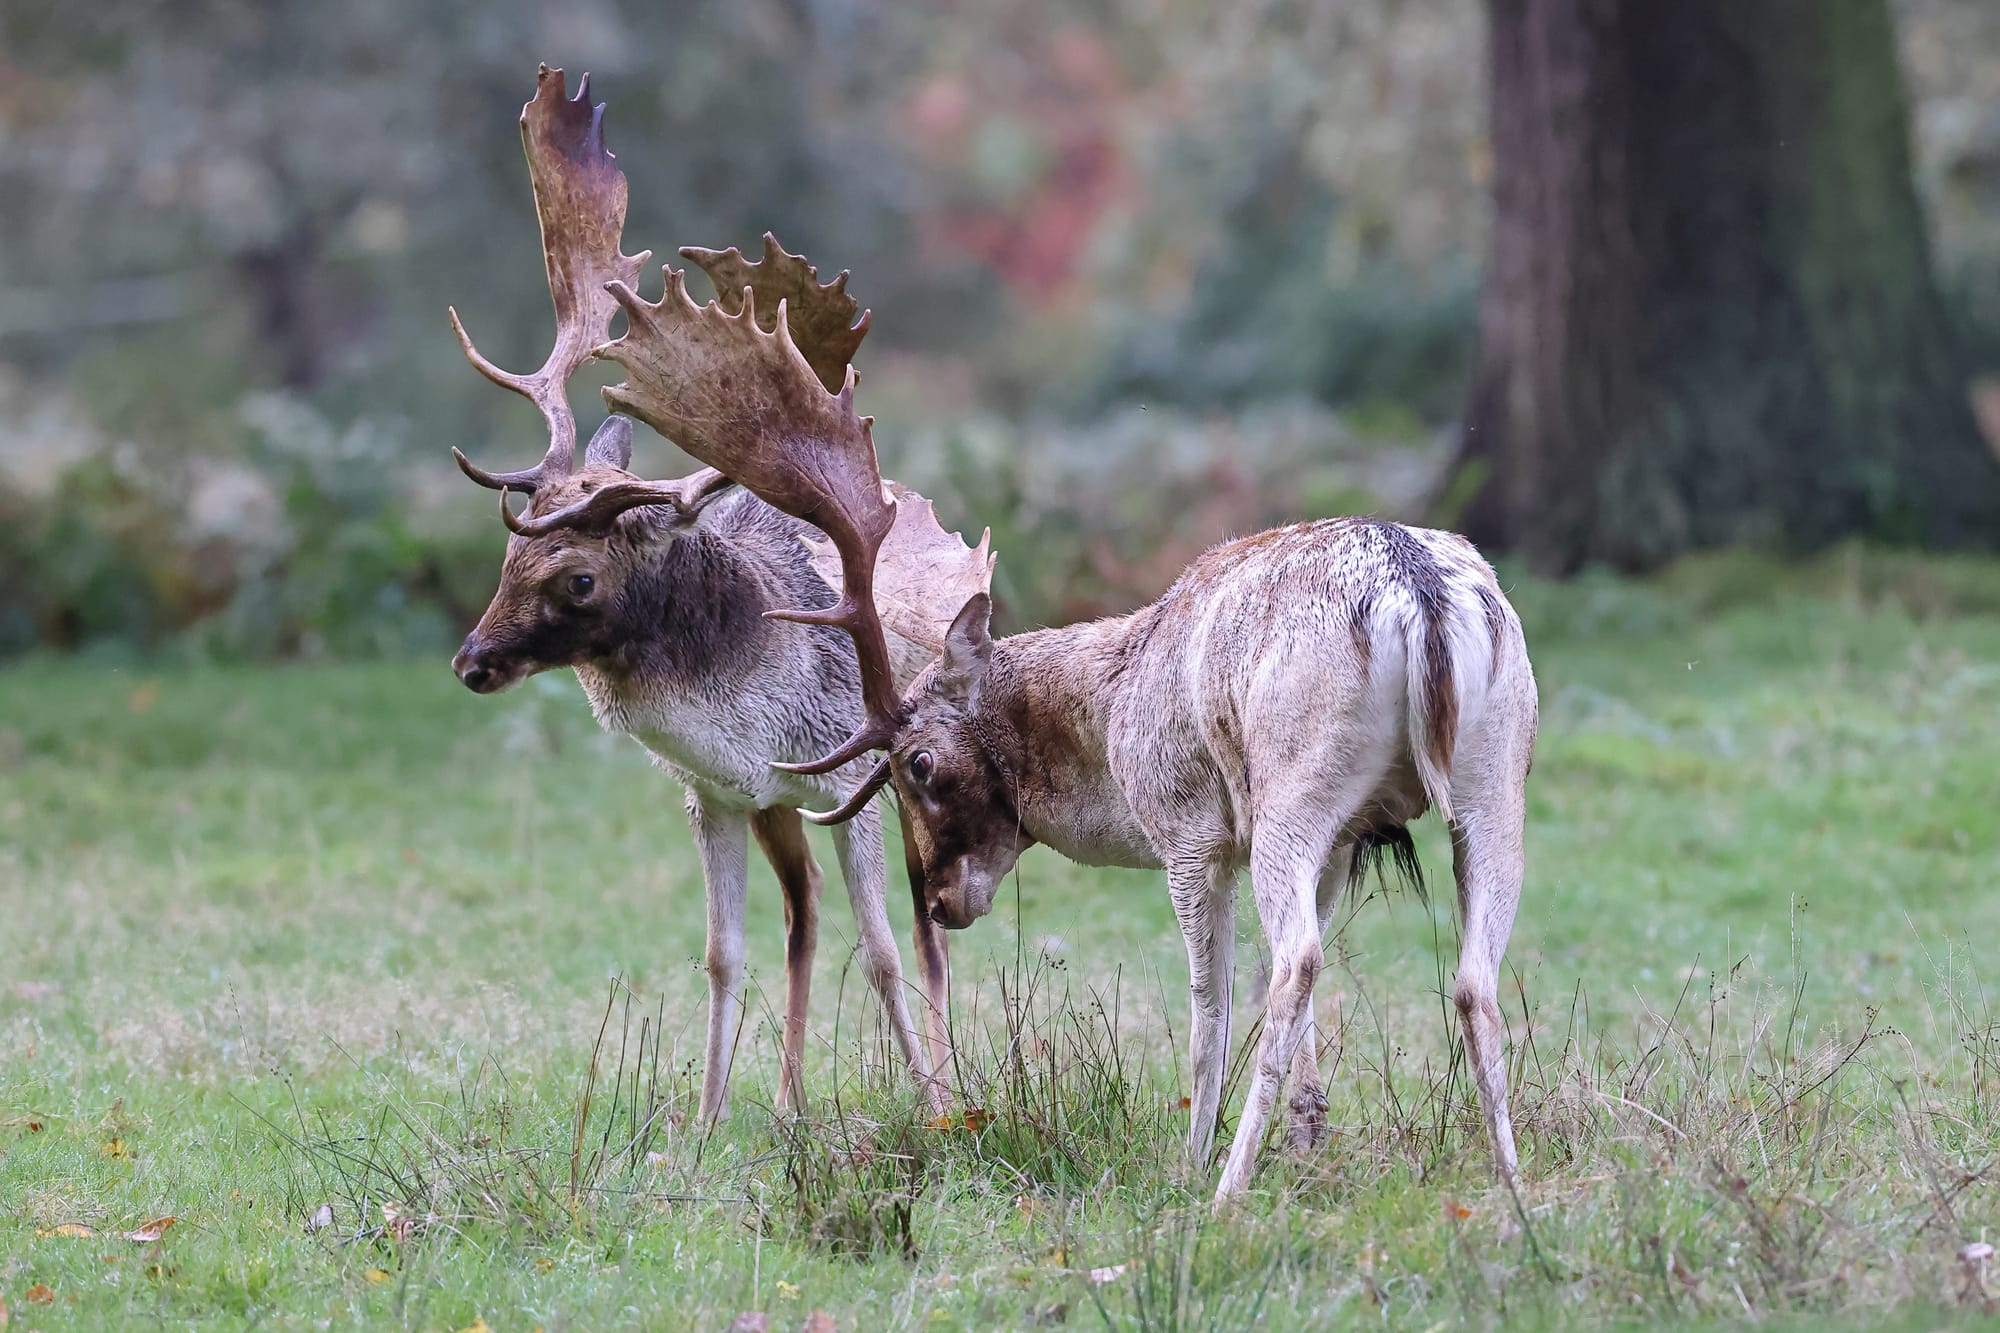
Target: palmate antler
827,327
580,200
737,392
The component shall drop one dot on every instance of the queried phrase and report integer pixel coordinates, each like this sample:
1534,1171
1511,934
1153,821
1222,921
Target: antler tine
744,399
596,512
580,197
827,325
877,778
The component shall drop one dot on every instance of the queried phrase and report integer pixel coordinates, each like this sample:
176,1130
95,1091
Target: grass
390,996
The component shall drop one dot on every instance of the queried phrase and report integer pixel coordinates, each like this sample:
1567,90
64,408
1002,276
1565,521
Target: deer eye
920,767
578,586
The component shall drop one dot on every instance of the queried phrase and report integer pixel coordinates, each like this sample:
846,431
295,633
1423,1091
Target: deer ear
968,650
612,445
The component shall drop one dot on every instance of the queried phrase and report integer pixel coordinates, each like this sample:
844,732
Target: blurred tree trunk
1709,315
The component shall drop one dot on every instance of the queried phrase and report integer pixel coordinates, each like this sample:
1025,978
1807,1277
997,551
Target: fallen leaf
74,1230
376,1274
545,1265
1100,1276
978,1118
478,1325
321,1219
750,1321
788,1290
396,1223
1975,1252
656,1159
151,1231
819,1321
1455,1211
40,1294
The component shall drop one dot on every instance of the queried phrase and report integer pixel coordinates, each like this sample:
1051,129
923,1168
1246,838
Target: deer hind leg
858,843
1204,896
1305,1121
1487,862
781,834
721,841
1288,852
933,960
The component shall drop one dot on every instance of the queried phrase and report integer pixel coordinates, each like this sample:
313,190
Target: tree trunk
1709,316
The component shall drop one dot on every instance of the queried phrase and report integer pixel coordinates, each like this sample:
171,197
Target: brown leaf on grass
819,1321
71,1230
116,1149
40,1294
397,1224
149,1232
1454,1211
321,1219
750,1321
545,1264
375,1274
478,1325
975,1119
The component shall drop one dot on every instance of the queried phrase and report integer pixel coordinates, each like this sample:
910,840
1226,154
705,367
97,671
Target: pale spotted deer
1292,703
655,594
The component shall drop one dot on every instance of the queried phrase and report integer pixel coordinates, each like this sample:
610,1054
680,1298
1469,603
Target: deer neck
1047,705
691,615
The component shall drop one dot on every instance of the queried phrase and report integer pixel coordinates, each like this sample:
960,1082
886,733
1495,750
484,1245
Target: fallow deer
654,593
1290,704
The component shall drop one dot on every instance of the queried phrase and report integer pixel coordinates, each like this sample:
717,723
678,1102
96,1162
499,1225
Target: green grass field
315,962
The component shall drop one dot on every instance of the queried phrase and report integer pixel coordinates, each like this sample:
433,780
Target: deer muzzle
475,669
961,894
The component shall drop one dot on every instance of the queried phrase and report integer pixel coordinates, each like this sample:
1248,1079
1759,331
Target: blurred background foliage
1146,273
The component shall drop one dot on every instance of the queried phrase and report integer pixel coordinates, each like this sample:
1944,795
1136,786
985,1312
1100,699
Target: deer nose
472,673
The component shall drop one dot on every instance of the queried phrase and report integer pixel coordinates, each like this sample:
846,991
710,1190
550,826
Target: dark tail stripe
1418,571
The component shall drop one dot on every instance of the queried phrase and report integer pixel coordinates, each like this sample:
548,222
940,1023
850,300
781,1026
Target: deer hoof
1305,1127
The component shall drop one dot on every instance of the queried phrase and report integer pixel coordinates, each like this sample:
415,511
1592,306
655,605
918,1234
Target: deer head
588,531
739,393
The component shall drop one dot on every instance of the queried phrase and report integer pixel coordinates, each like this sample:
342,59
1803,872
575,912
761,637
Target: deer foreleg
781,834
858,843
721,841
933,960
1204,894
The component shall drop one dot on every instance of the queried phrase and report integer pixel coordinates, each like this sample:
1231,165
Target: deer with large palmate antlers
654,593
1290,705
